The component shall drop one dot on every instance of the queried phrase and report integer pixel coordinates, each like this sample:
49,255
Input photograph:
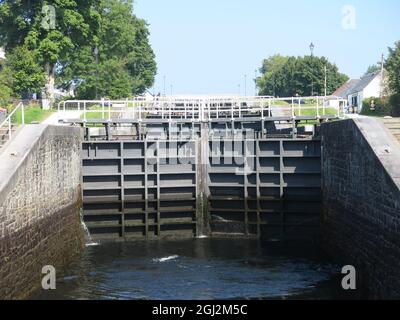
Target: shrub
394,102
382,107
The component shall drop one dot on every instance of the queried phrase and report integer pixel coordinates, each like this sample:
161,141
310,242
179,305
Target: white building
356,90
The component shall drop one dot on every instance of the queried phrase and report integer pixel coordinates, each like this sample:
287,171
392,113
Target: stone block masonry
361,201
40,199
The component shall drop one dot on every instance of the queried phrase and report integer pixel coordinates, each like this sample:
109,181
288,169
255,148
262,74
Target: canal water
199,269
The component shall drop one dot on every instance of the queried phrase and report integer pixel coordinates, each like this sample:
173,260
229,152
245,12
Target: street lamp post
312,47
96,53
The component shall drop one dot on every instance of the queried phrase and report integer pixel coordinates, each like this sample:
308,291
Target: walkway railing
8,122
198,109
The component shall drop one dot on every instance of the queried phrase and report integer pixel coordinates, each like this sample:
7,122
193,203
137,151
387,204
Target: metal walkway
206,109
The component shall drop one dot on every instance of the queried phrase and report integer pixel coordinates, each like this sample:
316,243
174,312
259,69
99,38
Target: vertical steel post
22,114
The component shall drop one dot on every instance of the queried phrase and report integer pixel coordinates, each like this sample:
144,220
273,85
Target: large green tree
304,76
125,62
51,29
27,75
268,70
373,68
5,84
392,67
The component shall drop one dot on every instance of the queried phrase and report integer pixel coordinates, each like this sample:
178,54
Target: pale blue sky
207,46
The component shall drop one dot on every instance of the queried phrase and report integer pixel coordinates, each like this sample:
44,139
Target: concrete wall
361,200
39,206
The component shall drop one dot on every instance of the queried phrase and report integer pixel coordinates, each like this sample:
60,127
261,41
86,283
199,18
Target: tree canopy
49,28
374,68
392,67
5,84
125,63
27,75
303,76
59,37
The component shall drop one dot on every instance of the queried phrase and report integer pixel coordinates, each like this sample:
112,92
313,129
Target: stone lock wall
39,206
361,201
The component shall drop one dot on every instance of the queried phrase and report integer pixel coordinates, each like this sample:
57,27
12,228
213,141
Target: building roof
355,85
365,81
346,88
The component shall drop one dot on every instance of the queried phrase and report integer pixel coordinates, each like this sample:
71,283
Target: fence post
293,112
269,108
102,108
84,111
299,107
22,114
9,128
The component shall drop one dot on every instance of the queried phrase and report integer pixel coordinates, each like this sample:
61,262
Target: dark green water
199,269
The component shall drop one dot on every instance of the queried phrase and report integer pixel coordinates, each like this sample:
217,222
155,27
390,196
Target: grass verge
31,114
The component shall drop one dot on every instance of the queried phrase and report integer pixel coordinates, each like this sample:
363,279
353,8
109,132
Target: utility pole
312,47
245,85
165,92
255,83
273,76
382,75
312,87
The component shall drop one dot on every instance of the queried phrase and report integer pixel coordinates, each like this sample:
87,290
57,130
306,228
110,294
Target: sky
213,46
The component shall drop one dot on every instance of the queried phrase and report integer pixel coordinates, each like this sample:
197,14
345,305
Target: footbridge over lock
202,166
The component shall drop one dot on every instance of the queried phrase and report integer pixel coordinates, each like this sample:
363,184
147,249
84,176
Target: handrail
8,120
199,109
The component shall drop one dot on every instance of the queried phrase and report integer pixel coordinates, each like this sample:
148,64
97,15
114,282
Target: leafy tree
27,75
392,67
269,67
113,81
5,84
125,64
374,68
31,24
304,76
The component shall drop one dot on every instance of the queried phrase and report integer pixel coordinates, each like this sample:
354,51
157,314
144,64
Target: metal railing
8,122
198,109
